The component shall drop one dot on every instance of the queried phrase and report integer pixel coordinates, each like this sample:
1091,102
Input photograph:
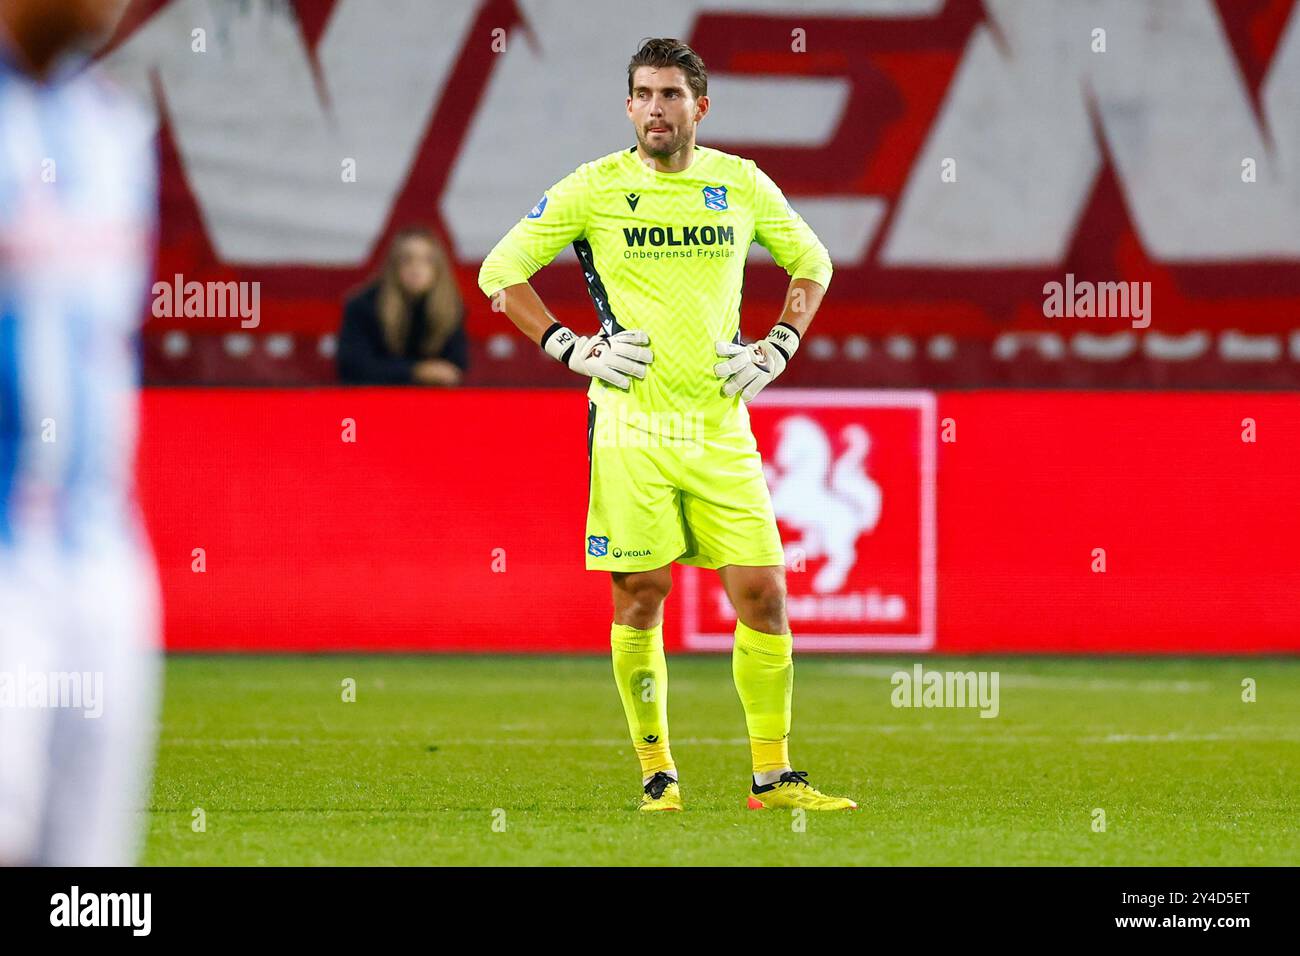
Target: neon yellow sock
641,672
769,755
762,666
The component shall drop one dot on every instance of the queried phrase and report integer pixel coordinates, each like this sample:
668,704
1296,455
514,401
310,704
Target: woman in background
406,328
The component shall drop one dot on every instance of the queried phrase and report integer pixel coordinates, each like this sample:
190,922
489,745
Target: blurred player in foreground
662,230
78,588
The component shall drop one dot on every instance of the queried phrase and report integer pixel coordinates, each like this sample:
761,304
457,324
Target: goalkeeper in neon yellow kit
662,230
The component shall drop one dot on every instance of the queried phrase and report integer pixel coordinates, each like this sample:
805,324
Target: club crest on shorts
715,197
597,546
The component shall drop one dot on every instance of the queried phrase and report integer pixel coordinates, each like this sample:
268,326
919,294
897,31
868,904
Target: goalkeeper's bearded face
663,111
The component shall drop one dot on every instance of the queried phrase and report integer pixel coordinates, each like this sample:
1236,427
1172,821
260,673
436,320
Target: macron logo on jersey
536,211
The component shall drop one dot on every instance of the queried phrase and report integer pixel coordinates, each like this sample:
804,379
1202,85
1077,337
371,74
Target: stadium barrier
1054,522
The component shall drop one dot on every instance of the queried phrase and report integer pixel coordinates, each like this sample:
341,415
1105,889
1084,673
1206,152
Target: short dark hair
666,51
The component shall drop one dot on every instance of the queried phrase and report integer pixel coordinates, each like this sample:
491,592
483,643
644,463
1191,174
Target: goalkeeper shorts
657,497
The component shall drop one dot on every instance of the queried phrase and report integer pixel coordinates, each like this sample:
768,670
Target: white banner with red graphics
956,156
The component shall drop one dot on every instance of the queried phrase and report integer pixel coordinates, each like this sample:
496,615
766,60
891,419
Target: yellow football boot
661,793
792,792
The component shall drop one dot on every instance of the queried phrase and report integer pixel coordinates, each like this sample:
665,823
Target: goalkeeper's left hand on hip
750,368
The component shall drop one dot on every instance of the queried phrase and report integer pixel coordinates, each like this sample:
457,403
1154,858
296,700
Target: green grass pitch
523,761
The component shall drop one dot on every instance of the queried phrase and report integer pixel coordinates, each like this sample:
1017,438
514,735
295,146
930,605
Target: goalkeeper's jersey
663,252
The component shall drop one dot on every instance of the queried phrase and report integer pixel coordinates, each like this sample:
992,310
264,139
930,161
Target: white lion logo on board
829,503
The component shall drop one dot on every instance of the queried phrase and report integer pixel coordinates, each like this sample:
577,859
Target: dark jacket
363,356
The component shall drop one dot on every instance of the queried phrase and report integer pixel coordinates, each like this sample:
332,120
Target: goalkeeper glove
610,358
751,368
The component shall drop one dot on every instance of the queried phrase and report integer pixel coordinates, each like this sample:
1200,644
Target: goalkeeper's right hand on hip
610,358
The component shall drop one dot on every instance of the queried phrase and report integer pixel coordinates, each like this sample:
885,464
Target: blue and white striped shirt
78,205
